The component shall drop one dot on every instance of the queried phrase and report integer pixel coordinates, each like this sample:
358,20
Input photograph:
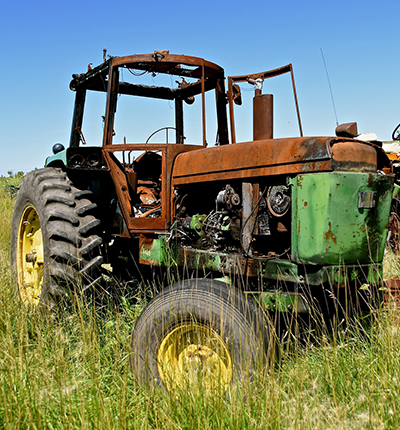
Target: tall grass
70,370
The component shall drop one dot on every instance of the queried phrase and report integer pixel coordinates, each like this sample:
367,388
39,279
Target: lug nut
30,258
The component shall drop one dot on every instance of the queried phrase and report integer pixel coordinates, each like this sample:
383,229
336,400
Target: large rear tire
200,334
55,247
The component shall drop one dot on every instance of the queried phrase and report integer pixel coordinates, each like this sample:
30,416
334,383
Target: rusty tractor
271,225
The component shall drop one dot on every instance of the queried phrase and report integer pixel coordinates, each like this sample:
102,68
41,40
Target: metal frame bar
263,75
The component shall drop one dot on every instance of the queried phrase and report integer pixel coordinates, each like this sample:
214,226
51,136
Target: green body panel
281,270
396,191
339,275
201,259
160,252
281,301
343,275
60,156
329,227
156,253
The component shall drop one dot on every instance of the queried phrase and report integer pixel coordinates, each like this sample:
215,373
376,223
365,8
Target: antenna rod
330,88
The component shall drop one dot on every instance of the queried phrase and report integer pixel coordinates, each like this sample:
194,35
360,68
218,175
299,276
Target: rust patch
329,235
392,293
394,230
281,228
299,181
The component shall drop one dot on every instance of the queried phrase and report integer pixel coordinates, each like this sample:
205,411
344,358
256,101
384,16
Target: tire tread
72,246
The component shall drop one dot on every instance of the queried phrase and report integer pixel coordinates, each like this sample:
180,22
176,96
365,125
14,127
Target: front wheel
201,334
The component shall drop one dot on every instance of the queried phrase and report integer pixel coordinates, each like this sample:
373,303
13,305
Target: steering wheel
166,133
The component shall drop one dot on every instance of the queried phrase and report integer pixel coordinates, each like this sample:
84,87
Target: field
70,370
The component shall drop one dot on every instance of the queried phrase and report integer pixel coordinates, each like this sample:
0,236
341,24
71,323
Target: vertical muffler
263,116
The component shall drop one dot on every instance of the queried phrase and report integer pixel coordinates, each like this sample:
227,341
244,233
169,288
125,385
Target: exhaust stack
263,112
263,116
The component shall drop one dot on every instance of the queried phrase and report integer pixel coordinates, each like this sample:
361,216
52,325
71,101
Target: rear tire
54,242
200,333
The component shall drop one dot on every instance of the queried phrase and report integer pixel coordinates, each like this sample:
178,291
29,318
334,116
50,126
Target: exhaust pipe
263,112
263,116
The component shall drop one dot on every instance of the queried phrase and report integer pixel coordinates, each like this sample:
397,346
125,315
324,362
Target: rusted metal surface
277,157
127,195
348,129
394,227
167,63
252,159
263,117
76,132
127,182
106,78
121,183
392,291
250,196
354,156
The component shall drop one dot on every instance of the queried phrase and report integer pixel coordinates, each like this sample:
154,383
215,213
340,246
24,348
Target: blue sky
42,43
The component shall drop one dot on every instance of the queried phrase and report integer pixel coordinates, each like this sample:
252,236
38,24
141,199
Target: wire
136,74
330,88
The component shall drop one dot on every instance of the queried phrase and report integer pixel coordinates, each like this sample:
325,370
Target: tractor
237,231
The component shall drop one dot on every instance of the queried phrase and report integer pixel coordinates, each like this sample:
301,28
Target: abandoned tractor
244,228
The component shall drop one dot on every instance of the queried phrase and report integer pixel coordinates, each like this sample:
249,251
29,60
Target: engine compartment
251,218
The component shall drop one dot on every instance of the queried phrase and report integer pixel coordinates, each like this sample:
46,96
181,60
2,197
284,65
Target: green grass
70,370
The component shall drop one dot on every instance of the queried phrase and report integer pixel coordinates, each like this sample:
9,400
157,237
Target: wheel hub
30,257
195,356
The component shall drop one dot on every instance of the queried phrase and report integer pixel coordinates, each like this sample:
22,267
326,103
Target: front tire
54,245
199,333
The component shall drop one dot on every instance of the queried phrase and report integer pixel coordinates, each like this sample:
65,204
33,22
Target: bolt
30,258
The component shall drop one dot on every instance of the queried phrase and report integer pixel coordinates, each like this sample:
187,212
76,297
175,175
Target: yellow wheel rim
194,356
30,257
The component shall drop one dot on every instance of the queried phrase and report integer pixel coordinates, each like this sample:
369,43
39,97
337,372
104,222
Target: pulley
227,198
278,200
